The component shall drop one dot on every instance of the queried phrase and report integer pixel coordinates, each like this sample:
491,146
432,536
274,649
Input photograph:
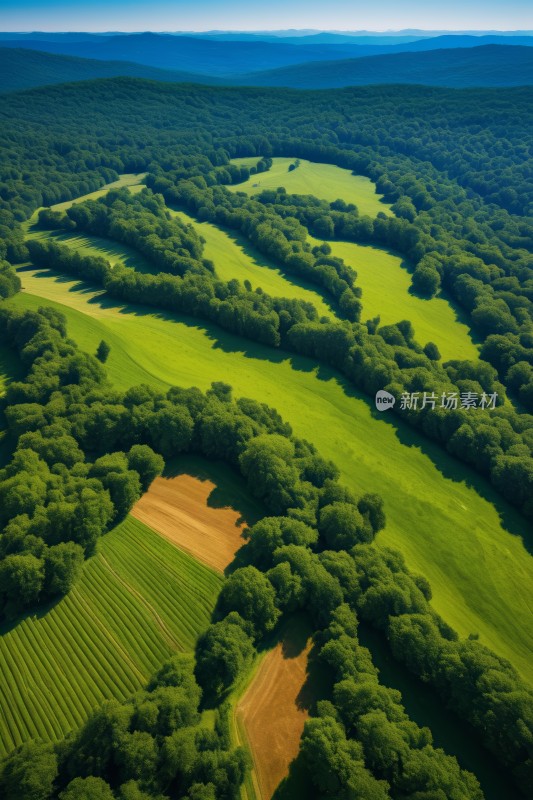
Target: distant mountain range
25,69
257,63
488,65
209,56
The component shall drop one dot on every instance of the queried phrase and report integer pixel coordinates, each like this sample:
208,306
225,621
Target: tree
21,581
342,526
136,756
432,351
248,592
29,773
62,565
102,351
221,654
426,281
90,788
146,462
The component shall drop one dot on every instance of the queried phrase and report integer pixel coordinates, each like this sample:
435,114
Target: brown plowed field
273,711
177,509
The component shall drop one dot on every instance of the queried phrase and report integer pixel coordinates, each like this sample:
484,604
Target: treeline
155,745
497,443
84,453
314,553
175,248
368,719
278,236
495,289
482,257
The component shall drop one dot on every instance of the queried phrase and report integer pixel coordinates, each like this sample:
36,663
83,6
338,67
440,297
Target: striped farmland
138,600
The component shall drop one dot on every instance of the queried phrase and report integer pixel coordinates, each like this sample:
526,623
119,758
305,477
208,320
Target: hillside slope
488,65
24,69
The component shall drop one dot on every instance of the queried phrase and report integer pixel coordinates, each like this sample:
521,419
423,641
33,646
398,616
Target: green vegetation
136,602
385,281
324,181
234,257
447,530
458,199
144,740
133,181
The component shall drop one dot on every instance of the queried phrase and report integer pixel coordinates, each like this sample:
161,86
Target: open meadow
224,571
442,516
325,181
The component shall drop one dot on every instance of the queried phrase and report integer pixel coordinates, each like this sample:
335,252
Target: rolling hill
227,58
25,69
488,65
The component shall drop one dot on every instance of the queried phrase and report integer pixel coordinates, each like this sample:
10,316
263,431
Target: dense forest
456,173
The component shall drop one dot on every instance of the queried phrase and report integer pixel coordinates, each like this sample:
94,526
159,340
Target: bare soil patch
274,708
178,509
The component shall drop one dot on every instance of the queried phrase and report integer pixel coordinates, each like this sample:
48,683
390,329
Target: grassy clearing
445,519
133,181
89,245
385,280
383,276
324,181
138,600
234,257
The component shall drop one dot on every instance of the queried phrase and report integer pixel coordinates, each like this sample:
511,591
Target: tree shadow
258,259
229,491
426,707
34,613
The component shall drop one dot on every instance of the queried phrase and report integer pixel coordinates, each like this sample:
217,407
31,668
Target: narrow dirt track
177,509
273,713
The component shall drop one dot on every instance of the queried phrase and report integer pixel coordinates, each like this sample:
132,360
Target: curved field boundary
178,509
448,522
273,710
137,601
325,181
234,257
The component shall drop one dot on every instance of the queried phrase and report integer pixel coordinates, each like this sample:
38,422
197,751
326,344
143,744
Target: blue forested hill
489,65
26,69
236,57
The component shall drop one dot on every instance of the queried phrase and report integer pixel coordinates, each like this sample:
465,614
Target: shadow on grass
450,467
256,258
230,490
34,613
425,707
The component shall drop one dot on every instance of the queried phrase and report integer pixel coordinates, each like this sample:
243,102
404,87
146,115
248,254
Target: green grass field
445,519
385,280
138,600
382,275
89,245
133,181
234,257
324,181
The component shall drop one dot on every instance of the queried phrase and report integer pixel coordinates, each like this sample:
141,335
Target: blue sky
171,15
